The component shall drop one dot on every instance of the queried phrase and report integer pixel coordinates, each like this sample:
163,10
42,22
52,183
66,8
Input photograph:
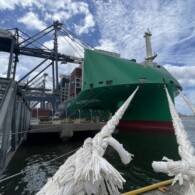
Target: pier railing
14,120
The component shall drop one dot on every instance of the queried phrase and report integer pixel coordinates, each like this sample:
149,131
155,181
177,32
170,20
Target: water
145,146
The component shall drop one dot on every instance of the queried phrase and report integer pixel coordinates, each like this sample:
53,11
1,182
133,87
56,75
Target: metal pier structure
19,96
14,120
17,43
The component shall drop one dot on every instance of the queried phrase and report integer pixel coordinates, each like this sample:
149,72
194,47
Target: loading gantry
18,43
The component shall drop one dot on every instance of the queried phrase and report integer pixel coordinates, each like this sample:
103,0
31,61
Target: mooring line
191,106
35,166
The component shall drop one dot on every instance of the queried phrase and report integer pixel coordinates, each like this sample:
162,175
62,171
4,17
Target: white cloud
59,16
31,20
88,23
67,46
107,45
70,9
171,25
42,4
8,4
66,69
184,74
12,3
54,6
53,10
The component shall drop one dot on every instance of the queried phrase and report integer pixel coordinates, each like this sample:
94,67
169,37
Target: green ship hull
107,83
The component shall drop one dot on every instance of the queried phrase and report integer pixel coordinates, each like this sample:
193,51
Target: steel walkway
14,120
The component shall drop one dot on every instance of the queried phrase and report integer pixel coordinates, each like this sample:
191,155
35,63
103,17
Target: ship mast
149,59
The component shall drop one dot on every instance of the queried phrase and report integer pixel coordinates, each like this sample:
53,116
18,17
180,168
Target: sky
113,25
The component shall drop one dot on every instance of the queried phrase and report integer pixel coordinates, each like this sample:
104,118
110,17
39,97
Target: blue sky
114,25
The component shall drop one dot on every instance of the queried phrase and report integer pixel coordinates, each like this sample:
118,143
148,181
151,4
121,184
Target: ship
101,84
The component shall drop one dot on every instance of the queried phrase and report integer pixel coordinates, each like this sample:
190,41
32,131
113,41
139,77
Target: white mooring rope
191,106
87,172
183,170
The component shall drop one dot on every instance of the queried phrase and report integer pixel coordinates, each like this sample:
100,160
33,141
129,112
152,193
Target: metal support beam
8,114
57,27
21,123
53,75
34,40
38,74
11,59
13,128
14,66
34,69
35,35
16,54
18,121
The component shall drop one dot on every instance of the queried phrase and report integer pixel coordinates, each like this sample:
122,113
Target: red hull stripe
146,125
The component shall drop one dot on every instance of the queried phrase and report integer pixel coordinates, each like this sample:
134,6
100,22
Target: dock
65,130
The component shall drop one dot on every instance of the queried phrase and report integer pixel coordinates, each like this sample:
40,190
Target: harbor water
35,153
